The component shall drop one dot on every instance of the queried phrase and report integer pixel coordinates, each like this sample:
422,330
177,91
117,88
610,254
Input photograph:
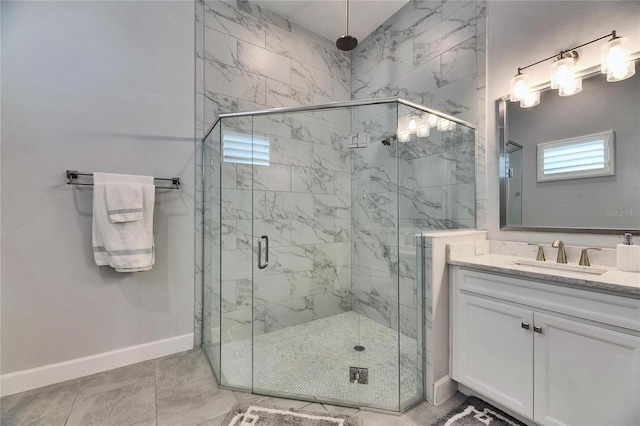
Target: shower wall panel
249,58
301,200
435,189
375,217
432,53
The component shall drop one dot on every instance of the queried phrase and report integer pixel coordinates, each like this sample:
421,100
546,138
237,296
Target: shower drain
359,348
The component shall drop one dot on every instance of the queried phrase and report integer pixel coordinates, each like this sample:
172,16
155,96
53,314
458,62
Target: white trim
444,389
33,378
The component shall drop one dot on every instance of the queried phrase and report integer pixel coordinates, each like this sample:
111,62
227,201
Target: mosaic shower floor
312,360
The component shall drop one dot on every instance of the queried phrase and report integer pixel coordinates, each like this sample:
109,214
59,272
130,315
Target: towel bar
72,179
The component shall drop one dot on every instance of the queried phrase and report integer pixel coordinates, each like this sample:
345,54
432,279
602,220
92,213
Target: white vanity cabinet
555,354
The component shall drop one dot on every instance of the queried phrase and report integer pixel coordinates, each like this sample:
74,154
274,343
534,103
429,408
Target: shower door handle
266,252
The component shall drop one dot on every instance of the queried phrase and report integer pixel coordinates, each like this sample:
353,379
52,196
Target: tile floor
177,390
312,360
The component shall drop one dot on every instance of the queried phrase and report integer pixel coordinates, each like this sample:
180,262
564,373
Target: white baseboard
444,389
33,378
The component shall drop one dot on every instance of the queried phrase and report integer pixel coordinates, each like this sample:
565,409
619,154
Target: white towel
124,201
126,246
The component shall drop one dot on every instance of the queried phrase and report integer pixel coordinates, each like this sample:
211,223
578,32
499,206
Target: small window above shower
245,149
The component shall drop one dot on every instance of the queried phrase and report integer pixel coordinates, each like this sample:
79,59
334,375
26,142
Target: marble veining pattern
427,53
249,58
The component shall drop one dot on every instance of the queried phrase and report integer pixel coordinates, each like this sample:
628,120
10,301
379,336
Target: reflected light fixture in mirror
444,125
413,125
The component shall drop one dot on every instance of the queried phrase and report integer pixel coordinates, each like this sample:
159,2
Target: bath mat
259,415
475,412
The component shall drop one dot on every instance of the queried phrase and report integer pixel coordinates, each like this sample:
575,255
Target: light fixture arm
572,50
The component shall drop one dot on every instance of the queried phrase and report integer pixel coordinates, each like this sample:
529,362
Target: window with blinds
245,149
577,158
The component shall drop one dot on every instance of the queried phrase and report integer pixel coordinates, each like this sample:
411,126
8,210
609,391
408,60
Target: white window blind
583,157
245,149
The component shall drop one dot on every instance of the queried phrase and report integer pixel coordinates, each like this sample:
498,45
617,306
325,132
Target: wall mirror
600,125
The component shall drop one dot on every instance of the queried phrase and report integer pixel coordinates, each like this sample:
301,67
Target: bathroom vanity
557,344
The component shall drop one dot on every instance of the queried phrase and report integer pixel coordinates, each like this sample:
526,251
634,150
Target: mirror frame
503,137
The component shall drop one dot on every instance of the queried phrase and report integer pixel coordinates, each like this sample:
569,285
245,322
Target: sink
560,266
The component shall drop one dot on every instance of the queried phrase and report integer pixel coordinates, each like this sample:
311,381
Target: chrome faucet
584,257
562,255
540,255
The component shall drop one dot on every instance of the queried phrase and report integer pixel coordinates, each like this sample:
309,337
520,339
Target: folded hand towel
124,201
126,246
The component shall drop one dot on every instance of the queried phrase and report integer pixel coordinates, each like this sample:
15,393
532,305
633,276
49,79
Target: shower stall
312,221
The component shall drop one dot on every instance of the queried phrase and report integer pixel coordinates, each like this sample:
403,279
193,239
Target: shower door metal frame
332,105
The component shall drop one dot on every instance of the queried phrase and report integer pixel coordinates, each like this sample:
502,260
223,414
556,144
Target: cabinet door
585,375
493,353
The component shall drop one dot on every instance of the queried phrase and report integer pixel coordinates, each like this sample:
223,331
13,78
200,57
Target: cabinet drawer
605,308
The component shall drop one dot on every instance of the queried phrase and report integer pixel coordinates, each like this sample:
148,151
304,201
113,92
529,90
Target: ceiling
327,17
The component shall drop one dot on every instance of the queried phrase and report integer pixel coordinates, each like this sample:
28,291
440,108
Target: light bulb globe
615,60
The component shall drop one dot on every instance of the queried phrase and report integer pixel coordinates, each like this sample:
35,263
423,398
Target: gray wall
92,86
600,107
524,32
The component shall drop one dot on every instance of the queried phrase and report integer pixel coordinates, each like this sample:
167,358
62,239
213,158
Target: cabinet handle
525,325
537,329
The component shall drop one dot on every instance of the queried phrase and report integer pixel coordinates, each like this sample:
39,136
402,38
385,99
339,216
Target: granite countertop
610,281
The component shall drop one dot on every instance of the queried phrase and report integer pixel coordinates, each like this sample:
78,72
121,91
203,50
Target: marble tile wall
249,58
431,53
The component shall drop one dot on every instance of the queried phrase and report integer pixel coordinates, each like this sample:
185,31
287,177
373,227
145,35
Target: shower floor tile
312,360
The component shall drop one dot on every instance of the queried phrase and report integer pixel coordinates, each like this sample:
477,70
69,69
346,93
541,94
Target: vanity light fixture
519,86
432,120
562,74
531,99
615,62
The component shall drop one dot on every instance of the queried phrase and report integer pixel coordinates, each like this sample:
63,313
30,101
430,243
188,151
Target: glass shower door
236,251
375,252
302,255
